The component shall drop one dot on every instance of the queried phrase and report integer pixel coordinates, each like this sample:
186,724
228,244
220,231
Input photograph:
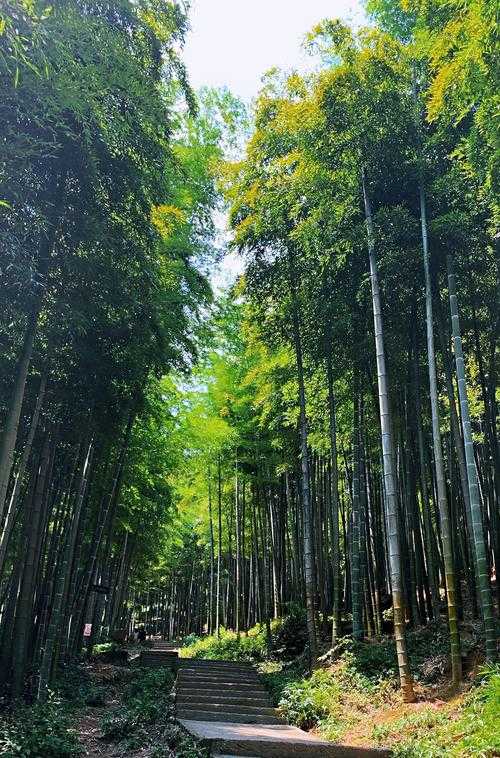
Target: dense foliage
340,431
107,191
320,443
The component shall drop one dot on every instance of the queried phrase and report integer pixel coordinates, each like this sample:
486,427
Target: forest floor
131,714
100,710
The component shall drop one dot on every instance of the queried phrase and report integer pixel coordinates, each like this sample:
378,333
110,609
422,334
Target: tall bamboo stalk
334,498
490,623
388,463
444,515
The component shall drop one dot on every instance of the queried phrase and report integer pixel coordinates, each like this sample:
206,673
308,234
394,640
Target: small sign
87,630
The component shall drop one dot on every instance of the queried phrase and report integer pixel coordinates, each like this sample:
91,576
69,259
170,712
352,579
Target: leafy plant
229,647
39,731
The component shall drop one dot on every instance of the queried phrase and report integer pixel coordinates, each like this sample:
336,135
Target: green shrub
39,731
375,660
119,723
150,681
306,702
110,652
277,681
72,682
190,639
288,637
181,743
251,647
104,647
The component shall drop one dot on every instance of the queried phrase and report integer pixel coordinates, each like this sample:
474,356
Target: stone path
222,691
224,705
161,654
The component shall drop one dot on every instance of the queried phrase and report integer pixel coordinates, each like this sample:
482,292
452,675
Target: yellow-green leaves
166,218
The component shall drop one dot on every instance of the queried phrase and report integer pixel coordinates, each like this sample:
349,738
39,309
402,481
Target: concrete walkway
224,705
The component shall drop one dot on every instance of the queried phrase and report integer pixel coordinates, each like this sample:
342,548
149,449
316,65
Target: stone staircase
222,691
224,706
161,654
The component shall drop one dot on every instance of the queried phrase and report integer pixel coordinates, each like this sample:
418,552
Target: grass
470,730
332,699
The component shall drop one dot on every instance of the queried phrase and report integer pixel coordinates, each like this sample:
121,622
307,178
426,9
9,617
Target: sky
233,43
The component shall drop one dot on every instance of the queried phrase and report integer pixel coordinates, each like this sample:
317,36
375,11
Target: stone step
223,679
220,686
215,692
158,655
206,662
209,671
228,700
213,682
223,708
233,718
270,741
214,669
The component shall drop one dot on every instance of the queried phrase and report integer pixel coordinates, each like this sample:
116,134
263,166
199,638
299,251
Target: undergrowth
332,699
287,640
251,647
142,721
44,730
470,731
145,700
145,718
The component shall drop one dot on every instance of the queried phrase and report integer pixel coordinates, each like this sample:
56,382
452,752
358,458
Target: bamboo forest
285,477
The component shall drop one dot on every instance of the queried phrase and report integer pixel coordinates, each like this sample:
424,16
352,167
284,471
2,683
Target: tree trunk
237,584
212,558
490,624
388,464
305,479
334,495
12,508
11,427
219,546
23,622
356,578
444,516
